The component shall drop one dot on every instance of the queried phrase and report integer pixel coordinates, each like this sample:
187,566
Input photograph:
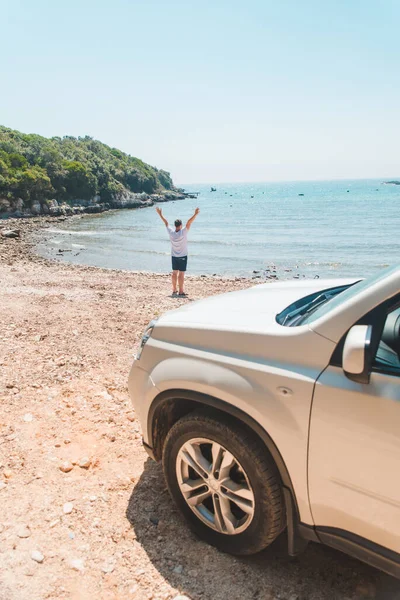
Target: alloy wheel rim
215,486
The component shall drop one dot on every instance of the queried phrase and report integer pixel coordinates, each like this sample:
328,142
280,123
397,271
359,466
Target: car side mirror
357,356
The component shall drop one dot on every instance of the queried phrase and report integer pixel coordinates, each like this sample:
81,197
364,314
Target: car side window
387,358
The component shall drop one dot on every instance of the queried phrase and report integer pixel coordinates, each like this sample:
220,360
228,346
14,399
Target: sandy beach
84,513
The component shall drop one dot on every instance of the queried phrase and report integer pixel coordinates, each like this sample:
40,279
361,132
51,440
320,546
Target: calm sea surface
338,228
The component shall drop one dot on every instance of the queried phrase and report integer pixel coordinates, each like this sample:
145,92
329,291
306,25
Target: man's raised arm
162,216
188,224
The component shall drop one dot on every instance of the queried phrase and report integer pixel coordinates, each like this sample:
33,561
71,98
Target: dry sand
84,513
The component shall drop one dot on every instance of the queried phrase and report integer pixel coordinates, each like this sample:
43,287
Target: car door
354,450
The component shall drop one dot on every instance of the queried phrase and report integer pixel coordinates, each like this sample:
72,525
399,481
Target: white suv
279,407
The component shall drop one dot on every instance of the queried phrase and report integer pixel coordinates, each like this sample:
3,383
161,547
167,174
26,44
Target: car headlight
147,333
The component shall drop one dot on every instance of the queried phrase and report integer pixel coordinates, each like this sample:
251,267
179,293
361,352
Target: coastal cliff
61,176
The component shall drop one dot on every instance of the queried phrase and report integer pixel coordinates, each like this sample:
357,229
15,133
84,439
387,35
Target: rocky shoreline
17,209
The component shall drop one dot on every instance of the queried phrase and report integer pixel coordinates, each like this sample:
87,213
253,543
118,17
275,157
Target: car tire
235,483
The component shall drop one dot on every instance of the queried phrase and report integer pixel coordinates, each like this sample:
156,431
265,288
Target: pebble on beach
85,462
23,531
66,466
68,508
37,556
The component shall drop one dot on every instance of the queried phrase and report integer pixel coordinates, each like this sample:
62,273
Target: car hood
252,310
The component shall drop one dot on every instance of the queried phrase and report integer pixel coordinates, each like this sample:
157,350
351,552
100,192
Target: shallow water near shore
337,228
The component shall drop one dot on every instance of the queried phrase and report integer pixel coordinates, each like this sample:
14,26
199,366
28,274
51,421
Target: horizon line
292,181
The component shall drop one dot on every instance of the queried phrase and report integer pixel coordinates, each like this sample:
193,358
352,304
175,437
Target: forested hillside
36,169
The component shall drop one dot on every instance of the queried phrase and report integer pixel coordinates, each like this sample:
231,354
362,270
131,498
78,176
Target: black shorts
179,263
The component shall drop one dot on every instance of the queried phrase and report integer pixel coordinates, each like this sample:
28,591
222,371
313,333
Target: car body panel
354,456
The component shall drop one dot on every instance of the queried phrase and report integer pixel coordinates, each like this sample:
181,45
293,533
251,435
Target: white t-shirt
178,241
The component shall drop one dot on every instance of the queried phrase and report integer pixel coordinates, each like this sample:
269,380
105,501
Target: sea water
324,228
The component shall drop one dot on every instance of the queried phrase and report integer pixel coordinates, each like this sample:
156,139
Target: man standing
178,250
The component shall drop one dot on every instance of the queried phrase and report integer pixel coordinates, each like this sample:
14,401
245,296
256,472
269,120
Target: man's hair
178,223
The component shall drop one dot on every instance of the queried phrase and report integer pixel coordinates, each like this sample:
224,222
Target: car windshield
313,307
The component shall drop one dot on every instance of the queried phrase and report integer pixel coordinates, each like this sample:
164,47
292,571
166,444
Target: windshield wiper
304,310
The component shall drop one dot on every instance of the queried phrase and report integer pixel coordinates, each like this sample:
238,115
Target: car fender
258,399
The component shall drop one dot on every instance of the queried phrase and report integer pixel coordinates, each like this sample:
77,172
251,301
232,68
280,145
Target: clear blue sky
212,90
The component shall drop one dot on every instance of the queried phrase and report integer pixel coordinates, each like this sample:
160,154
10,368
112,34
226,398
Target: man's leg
174,281
181,279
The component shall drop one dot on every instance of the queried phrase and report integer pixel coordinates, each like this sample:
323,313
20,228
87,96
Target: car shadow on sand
204,573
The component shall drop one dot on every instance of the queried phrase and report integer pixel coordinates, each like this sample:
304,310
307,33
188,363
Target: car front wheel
224,482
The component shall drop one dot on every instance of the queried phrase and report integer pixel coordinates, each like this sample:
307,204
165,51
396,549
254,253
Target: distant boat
213,189
301,194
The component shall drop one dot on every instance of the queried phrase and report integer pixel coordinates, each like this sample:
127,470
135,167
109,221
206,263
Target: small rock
66,466
93,498
23,531
67,441
29,572
68,508
178,569
85,462
2,485
37,556
154,520
108,566
193,573
54,523
7,473
71,535
10,233
130,417
77,564
28,418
